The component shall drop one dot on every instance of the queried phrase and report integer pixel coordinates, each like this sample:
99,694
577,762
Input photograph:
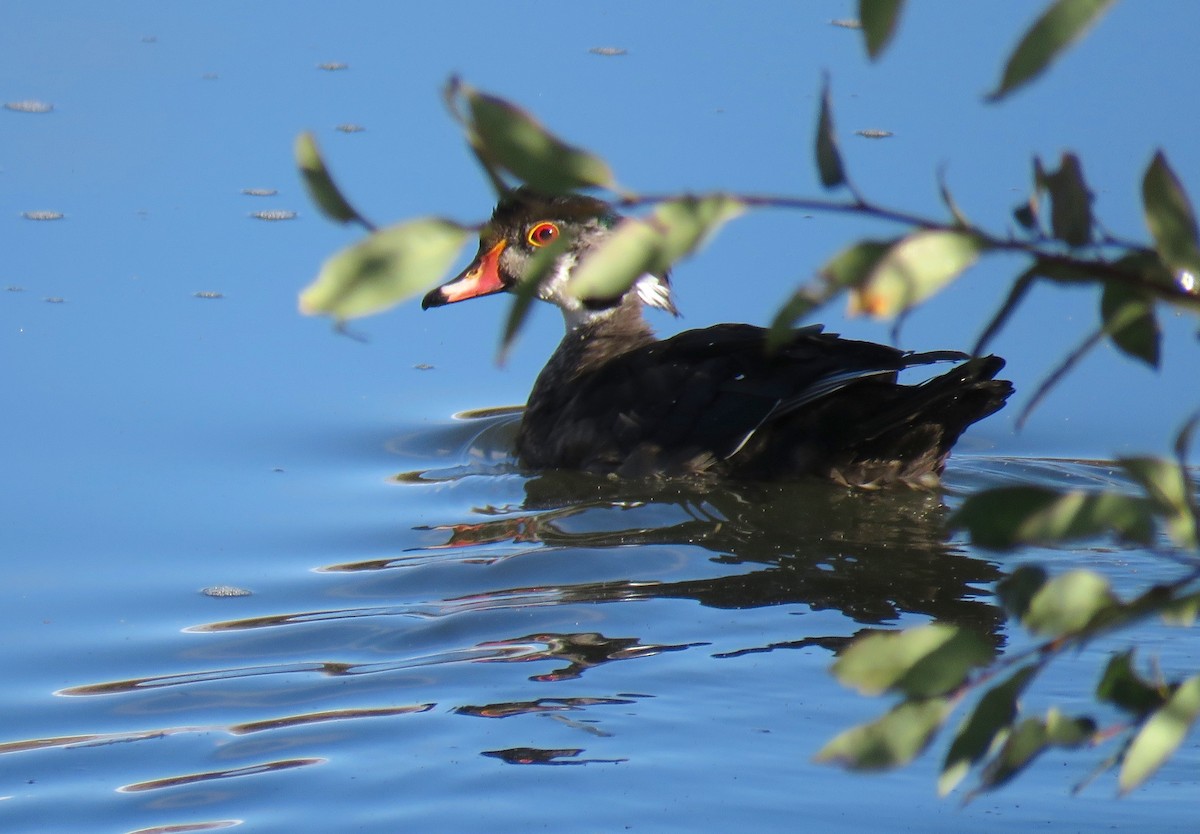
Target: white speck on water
333,66
225,591
29,106
260,192
208,294
871,133
42,215
274,214
350,127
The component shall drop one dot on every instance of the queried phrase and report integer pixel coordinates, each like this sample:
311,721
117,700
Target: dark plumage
614,399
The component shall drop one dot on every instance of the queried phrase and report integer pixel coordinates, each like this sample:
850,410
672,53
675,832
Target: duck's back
715,402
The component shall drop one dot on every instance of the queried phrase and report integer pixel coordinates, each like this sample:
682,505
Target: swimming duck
712,402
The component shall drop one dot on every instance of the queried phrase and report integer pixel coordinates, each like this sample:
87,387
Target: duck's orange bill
482,277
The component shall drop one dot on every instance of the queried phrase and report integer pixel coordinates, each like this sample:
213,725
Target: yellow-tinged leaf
1161,735
384,269
913,269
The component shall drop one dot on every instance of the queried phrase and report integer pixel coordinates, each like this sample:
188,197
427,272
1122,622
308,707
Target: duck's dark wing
714,400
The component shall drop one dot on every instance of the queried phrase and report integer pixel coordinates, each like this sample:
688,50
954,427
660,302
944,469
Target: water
433,640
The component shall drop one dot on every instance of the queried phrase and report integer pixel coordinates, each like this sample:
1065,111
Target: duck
713,402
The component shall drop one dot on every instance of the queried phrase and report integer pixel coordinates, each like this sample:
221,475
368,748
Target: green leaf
1168,488
517,142
1070,200
526,292
1170,218
1182,612
1068,603
992,716
913,269
675,229
1017,590
894,739
1058,27
1122,687
321,187
920,662
829,159
878,18
1161,735
1029,739
802,302
1010,516
1129,319
387,267
1026,214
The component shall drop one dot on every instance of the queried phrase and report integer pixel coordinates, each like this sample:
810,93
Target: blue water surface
432,639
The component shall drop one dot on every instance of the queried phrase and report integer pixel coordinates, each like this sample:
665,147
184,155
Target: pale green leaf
1006,517
992,716
878,18
919,662
829,159
384,269
1170,217
1168,487
1067,603
512,138
673,231
629,252
1059,26
1029,739
892,740
1161,735
913,269
319,182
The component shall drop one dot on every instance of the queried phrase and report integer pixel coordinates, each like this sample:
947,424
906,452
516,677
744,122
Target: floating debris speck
608,51
54,299
349,127
333,66
276,214
14,288
208,294
260,192
874,134
847,23
423,366
29,106
225,591
42,215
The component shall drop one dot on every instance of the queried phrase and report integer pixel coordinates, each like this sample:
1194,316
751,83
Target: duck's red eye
542,234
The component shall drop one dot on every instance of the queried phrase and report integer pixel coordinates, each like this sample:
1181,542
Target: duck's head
525,222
